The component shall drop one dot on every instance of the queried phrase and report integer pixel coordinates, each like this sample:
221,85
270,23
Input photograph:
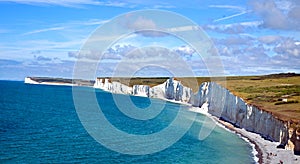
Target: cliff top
278,94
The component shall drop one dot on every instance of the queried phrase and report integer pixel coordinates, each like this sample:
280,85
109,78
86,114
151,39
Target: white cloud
228,7
185,51
269,39
44,30
92,22
68,3
240,10
68,26
114,53
183,28
144,26
69,36
288,47
233,28
166,6
110,3
235,40
259,55
284,5
51,45
142,23
231,16
25,49
278,14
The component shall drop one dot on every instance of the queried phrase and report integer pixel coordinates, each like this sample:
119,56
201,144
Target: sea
40,124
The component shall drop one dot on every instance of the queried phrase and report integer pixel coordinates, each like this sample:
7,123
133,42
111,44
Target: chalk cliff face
141,90
29,81
221,103
171,89
114,87
233,109
174,90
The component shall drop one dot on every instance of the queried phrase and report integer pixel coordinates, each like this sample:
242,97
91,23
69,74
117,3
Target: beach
265,151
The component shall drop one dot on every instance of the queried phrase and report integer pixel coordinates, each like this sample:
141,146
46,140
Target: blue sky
42,38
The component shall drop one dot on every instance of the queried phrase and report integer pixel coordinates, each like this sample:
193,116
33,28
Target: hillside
278,94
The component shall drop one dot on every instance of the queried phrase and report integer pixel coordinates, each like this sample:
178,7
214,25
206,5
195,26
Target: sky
46,38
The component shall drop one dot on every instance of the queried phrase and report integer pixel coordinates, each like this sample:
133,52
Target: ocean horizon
39,123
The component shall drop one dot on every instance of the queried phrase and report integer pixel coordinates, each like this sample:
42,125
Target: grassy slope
267,91
140,81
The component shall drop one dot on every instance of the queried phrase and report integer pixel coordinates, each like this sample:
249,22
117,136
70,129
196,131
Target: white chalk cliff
171,89
141,90
113,87
28,80
221,103
235,110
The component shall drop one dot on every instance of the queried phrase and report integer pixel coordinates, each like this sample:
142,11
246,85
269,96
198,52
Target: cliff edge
221,103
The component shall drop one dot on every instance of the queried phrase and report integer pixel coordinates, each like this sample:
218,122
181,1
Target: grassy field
140,80
278,94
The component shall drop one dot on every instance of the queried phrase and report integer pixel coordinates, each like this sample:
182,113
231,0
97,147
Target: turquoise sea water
38,123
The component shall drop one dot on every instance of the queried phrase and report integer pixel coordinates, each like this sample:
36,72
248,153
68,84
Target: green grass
140,80
267,92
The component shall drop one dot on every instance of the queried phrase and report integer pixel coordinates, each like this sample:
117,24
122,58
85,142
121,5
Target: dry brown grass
267,92
140,80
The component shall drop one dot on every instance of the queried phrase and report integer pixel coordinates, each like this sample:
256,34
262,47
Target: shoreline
264,150
58,84
57,81
256,151
51,83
